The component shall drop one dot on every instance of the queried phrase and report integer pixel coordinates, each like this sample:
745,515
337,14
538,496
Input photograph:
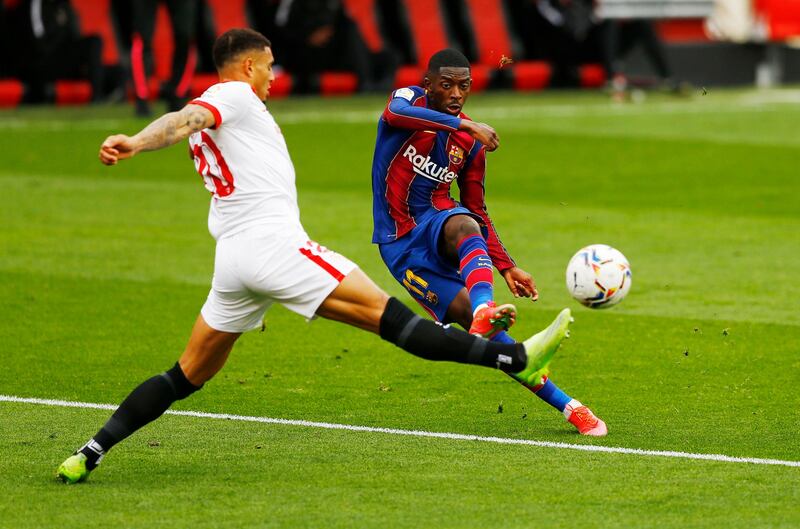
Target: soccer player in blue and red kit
442,250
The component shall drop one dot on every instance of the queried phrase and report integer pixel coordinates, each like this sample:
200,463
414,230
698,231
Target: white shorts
251,271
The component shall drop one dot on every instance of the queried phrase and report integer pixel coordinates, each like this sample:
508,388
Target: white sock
571,405
479,307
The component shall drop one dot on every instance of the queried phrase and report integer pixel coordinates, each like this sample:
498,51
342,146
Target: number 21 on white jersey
211,165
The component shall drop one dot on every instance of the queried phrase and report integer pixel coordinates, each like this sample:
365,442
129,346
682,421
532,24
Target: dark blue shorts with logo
415,263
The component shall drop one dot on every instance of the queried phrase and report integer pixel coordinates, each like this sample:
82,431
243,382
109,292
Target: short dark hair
235,41
447,58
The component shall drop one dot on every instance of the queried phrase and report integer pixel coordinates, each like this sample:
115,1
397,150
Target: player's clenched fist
115,148
481,132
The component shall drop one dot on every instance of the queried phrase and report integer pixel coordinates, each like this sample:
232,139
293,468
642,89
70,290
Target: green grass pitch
105,269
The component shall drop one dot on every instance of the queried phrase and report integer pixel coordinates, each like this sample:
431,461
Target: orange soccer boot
490,319
584,420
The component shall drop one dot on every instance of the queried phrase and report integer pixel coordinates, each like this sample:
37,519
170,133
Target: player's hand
483,133
115,148
520,283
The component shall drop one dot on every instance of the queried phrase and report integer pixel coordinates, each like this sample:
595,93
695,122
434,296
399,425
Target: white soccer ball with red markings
598,276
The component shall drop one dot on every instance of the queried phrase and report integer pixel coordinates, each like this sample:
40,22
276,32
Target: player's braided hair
233,42
447,58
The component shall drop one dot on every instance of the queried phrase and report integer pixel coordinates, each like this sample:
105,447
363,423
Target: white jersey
245,164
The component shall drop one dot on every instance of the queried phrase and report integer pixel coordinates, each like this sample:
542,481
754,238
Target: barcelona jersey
419,153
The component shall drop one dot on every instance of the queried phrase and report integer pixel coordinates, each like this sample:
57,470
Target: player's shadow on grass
564,435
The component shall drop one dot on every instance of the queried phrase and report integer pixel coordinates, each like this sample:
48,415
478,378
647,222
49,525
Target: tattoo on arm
197,118
174,127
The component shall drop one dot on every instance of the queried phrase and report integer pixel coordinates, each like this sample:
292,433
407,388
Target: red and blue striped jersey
419,152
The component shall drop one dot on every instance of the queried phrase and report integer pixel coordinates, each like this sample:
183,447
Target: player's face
448,90
262,74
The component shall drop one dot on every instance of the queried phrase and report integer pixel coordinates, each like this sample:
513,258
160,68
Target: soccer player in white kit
263,254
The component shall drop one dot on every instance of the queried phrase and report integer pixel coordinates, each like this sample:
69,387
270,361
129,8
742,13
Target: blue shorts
415,263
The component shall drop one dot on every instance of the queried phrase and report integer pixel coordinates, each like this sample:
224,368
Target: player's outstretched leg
434,341
145,404
359,302
586,422
475,266
463,241
526,362
205,355
580,416
541,347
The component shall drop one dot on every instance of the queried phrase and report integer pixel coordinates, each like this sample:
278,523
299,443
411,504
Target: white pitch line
421,433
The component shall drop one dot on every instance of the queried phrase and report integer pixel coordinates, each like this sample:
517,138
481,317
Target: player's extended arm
403,114
167,130
472,194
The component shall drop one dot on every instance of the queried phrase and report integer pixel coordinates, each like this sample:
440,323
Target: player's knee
371,296
379,300
377,307
460,226
469,226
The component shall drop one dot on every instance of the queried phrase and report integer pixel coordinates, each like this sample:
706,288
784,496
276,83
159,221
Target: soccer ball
598,276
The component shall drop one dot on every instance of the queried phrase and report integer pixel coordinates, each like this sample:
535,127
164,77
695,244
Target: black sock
433,341
146,403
